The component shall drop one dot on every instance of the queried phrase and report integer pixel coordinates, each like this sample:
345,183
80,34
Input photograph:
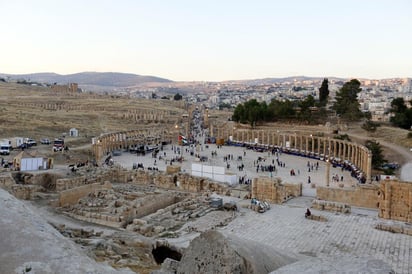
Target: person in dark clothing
308,213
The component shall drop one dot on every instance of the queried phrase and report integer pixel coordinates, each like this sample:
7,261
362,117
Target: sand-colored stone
360,195
395,200
274,191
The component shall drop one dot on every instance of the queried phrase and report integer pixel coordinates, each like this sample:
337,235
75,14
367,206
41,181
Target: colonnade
325,148
108,142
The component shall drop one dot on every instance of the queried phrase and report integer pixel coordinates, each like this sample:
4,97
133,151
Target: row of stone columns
120,140
325,147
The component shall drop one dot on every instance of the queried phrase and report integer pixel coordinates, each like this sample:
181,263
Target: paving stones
285,227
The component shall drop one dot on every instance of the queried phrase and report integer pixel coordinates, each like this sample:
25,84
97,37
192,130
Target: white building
73,132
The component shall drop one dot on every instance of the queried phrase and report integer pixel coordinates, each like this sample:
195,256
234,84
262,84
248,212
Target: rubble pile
119,206
120,249
166,221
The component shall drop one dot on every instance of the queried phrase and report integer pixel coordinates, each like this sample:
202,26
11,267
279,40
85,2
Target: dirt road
393,153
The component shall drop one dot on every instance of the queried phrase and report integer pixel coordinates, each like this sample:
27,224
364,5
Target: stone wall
395,200
184,182
72,196
274,191
181,181
149,206
126,210
24,192
69,183
361,195
330,206
71,87
6,181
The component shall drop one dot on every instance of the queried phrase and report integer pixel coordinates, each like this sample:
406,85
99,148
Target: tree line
308,110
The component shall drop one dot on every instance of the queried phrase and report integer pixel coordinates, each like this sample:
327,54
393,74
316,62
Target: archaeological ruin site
134,198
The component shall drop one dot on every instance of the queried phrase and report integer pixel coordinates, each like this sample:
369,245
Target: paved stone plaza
284,226
298,164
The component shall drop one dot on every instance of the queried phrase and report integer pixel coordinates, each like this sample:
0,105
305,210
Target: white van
5,149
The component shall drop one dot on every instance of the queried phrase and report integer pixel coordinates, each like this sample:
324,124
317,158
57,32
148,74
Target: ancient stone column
327,172
387,201
295,142
369,168
313,145
344,152
306,144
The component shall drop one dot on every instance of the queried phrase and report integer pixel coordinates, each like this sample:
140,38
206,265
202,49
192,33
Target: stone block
173,169
139,222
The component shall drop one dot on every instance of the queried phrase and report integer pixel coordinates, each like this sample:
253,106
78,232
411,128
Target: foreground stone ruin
148,209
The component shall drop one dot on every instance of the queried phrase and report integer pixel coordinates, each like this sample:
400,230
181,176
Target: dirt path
393,153
394,149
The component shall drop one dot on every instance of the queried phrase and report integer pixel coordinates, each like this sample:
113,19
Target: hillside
103,79
38,112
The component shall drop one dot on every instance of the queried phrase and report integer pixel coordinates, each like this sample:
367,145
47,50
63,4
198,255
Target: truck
58,144
5,147
16,142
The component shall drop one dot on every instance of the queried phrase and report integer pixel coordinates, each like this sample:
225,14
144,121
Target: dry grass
21,113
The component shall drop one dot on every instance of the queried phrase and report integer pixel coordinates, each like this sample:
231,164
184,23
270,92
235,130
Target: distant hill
102,79
269,81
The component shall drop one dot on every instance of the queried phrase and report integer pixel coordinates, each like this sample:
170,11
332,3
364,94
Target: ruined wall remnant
274,191
110,175
6,181
178,181
395,228
395,200
331,206
361,195
72,196
24,192
71,87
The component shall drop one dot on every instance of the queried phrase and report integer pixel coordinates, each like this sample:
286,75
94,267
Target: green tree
177,97
398,105
238,114
402,114
324,92
253,111
347,105
279,110
305,111
377,153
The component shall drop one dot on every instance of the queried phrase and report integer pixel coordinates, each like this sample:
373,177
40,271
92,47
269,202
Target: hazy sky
208,40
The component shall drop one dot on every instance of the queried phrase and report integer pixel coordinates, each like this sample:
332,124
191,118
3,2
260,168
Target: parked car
45,141
30,142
